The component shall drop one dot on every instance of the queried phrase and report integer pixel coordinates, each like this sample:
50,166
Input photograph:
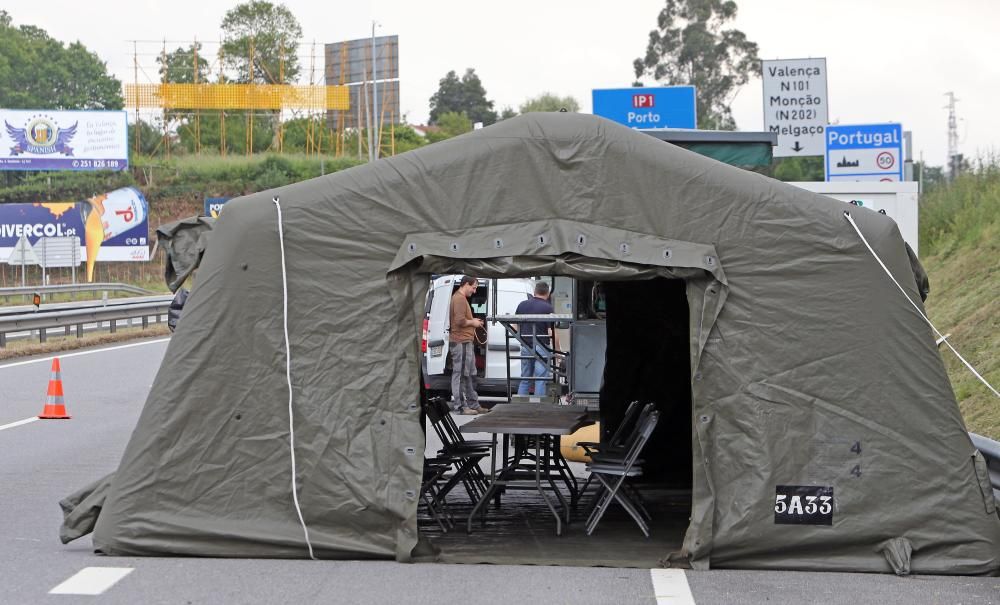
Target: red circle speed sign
885,160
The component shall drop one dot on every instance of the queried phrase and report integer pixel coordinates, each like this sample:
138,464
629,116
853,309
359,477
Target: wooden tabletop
530,419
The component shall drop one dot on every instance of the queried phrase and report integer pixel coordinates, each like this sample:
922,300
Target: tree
465,95
179,66
798,169
550,102
450,125
507,112
39,72
691,47
269,33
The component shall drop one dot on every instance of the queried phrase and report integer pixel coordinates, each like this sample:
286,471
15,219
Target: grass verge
58,344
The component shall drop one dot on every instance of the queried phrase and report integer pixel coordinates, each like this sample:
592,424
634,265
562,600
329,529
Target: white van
490,356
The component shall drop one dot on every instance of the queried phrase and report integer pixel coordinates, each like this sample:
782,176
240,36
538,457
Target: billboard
350,63
112,226
63,140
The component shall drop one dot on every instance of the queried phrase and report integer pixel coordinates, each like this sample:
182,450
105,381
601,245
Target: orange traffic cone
55,408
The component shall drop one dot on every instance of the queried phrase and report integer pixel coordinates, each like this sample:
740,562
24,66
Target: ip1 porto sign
795,105
661,107
866,152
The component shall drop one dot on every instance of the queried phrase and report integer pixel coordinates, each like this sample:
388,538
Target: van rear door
437,324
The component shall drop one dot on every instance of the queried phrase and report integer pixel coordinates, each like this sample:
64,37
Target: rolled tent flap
184,243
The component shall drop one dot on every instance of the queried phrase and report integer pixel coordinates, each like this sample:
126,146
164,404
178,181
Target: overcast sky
888,60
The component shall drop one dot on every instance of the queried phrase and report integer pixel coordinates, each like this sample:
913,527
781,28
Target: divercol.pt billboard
112,227
63,140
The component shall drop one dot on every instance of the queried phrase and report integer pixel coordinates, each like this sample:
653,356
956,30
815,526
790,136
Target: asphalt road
43,461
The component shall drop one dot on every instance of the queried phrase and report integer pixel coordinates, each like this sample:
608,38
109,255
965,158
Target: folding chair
612,472
431,492
617,440
463,456
622,438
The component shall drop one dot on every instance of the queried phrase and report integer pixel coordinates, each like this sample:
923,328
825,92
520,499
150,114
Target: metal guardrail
67,319
73,288
81,304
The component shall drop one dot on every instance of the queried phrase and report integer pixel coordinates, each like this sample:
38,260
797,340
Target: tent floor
522,531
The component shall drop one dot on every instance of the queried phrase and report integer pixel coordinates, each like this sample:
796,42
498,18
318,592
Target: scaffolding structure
182,107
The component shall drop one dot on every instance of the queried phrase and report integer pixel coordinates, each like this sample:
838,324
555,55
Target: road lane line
92,580
64,356
18,423
671,587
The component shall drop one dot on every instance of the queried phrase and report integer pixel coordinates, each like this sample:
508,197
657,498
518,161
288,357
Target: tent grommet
668,254
454,247
543,240
411,248
410,494
581,240
624,249
498,243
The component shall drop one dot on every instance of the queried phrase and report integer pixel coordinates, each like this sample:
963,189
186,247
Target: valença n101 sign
795,105
42,139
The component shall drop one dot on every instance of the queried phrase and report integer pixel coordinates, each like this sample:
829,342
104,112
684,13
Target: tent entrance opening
646,360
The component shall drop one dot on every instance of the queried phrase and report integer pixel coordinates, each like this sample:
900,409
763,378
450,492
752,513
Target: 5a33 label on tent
803,505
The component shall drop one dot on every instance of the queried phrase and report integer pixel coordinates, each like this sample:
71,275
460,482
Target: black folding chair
612,472
620,435
463,456
622,438
431,494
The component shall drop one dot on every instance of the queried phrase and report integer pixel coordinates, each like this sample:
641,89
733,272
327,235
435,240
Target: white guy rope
941,337
288,376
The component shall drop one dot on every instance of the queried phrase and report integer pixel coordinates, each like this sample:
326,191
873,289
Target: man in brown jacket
465,400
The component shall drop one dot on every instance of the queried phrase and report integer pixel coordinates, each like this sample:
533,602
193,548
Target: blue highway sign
640,107
864,152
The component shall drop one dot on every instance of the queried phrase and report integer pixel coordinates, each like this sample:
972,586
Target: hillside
960,245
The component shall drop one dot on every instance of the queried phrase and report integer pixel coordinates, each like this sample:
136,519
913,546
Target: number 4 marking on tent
856,471
856,448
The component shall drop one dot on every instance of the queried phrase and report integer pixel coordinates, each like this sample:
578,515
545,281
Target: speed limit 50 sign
864,152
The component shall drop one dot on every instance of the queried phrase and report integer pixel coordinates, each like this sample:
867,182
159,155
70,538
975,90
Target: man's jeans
534,368
463,376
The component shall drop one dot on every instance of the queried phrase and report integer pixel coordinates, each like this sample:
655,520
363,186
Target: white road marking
18,423
671,587
92,580
64,356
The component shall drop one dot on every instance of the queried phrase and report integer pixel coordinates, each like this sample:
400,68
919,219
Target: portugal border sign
795,105
865,152
44,139
647,107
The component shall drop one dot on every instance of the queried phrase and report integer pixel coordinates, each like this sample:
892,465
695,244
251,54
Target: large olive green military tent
809,371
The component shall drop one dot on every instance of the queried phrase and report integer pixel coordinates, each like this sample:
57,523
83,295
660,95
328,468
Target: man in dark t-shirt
541,336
